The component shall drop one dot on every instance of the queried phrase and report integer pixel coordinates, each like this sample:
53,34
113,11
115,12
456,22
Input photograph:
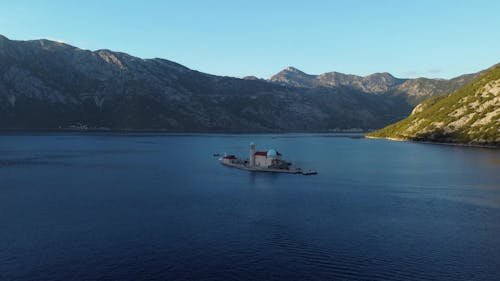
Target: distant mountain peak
51,44
292,69
381,74
251,77
293,77
373,83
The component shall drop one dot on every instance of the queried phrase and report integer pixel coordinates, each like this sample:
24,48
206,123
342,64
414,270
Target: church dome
271,153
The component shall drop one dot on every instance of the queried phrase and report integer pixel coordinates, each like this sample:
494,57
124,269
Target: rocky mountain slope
415,90
51,85
470,115
374,83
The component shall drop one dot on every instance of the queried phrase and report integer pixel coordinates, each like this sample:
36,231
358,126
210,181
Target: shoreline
215,131
435,142
179,132
239,132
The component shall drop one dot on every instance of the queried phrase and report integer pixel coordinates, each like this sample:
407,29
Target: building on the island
258,159
228,159
264,159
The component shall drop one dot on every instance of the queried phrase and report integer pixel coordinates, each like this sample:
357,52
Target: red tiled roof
264,153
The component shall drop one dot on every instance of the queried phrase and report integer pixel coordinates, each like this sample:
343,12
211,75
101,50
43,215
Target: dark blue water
160,207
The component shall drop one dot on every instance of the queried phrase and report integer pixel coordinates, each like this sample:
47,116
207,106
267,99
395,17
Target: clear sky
237,38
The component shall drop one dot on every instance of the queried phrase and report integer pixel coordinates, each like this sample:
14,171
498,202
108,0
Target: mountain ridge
416,89
48,84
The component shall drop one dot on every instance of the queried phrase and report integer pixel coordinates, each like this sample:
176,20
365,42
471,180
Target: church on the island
264,159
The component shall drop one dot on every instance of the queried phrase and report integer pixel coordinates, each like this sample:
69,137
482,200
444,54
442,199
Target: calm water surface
160,207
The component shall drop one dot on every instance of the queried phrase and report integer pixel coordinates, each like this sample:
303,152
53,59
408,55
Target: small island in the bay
468,116
263,161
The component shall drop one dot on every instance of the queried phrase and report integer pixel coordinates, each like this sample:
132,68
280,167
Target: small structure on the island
263,161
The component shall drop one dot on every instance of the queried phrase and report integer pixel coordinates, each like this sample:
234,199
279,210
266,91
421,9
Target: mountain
291,76
470,115
420,89
50,85
414,90
375,83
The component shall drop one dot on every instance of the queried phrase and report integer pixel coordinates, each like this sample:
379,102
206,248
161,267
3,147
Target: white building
263,158
269,160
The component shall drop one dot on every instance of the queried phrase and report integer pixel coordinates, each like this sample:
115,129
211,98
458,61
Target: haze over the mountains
49,85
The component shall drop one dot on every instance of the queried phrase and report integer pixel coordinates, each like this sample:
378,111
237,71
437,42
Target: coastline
361,133
358,134
435,142
222,131
388,138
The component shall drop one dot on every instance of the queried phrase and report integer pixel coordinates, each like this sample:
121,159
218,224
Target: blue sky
239,38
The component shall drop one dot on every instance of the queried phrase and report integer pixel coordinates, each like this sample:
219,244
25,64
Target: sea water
110,206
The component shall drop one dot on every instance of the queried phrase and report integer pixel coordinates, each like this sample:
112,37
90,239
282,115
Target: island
263,161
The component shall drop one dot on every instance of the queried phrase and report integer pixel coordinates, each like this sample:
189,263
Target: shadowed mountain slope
50,85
